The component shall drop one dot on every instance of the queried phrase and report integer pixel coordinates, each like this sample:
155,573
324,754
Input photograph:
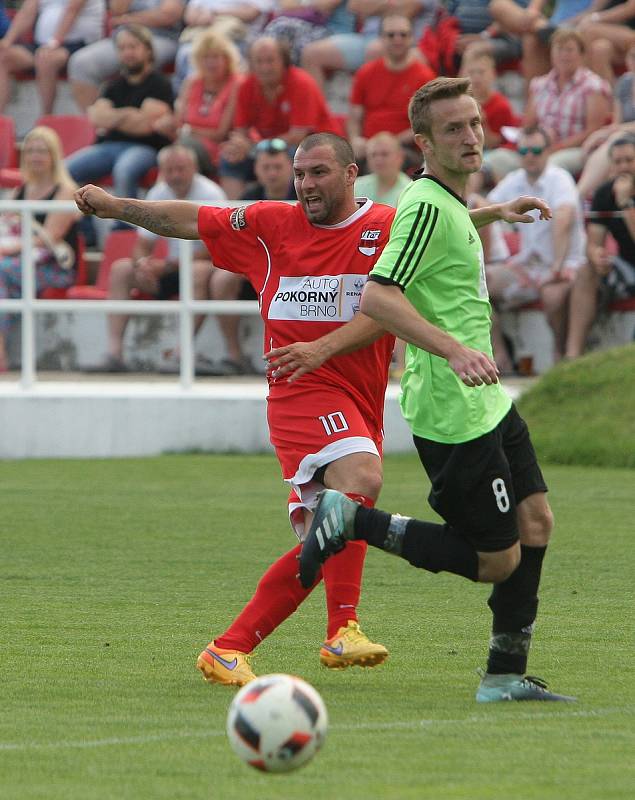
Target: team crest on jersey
311,298
366,246
237,218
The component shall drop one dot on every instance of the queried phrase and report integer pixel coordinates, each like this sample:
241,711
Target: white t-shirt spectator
202,190
557,188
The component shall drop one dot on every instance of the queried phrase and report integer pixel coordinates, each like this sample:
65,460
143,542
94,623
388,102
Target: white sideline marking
473,719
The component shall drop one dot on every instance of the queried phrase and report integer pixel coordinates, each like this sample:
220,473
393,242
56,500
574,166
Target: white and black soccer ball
276,723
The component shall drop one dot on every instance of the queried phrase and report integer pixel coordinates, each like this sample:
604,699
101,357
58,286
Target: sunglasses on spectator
396,34
272,146
522,151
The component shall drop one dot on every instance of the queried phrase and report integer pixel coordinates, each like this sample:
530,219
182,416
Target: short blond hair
53,144
431,92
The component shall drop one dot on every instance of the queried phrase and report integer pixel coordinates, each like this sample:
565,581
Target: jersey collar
364,204
419,174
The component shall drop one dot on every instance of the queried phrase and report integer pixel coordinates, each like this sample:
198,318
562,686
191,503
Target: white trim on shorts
307,489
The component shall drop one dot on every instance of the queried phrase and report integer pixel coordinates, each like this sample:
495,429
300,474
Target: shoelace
353,633
538,683
528,680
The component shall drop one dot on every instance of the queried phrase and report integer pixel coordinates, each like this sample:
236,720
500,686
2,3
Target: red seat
75,131
10,178
8,152
119,244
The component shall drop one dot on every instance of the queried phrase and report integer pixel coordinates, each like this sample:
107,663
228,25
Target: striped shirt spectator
563,111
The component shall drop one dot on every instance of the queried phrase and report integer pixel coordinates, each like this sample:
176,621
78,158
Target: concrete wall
103,420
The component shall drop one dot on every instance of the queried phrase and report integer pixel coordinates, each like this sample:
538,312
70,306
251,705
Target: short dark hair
621,142
394,15
530,130
342,149
437,89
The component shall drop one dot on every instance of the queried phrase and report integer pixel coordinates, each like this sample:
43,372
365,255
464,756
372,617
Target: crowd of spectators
239,83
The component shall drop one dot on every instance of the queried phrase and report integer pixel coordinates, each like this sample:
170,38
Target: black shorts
476,485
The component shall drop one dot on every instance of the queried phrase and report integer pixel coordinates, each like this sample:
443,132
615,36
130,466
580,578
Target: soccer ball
277,723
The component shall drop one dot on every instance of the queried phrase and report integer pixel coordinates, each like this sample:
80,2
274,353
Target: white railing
186,307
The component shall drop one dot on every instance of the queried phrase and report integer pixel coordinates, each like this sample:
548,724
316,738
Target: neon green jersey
435,255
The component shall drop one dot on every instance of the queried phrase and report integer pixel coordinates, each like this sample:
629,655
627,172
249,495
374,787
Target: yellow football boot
351,648
228,667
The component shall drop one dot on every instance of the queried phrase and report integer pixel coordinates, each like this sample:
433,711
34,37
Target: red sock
277,596
343,579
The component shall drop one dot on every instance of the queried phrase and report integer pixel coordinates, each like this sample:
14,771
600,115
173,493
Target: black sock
427,545
514,604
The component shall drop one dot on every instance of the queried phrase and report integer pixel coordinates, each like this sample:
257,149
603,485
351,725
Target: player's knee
497,567
536,529
368,482
365,481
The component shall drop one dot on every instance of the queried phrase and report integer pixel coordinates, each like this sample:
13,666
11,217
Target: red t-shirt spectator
497,112
385,94
300,104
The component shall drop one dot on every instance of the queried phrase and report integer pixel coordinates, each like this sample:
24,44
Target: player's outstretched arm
295,360
388,306
176,218
511,211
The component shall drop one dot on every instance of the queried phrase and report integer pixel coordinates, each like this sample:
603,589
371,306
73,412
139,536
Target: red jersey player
308,263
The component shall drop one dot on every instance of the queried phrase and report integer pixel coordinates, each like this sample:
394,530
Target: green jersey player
428,287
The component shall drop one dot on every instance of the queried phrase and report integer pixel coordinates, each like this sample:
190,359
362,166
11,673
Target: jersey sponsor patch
326,298
368,242
237,218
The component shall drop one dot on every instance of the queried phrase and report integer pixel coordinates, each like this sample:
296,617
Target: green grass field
114,574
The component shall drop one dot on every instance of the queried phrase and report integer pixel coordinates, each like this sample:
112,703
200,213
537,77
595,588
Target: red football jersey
309,278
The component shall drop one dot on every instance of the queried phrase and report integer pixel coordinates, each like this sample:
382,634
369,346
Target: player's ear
351,173
423,142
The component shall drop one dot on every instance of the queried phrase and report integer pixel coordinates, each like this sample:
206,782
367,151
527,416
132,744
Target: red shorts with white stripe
309,430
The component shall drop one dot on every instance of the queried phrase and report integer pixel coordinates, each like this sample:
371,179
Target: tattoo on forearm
153,220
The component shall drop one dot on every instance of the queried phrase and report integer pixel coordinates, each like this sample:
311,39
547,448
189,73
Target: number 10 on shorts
334,423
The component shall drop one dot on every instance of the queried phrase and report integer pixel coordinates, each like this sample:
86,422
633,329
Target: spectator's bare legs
123,279
502,356
554,302
49,62
121,282
4,360
321,57
225,285
596,169
498,278
202,271
606,45
12,59
84,94
582,310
